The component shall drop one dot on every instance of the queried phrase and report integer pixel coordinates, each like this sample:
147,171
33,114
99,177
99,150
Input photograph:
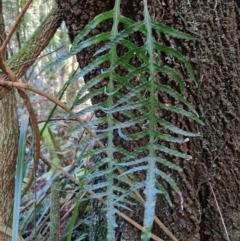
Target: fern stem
150,190
111,163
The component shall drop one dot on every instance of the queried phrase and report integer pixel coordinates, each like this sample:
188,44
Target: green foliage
115,196
19,175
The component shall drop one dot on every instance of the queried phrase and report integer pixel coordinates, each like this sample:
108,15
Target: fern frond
122,97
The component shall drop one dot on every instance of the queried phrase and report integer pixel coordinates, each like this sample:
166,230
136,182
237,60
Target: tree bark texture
215,58
8,148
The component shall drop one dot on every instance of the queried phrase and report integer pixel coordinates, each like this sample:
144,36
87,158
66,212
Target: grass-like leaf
19,175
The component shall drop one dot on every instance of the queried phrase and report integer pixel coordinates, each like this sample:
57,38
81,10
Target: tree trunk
8,113
215,58
8,147
8,150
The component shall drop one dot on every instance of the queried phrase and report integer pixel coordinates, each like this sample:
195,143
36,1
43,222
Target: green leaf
124,124
89,42
175,53
88,96
168,179
180,111
122,35
171,31
176,95
19,175
168,164
173,128
93,24
168,137
172,73
161,190
122,108
171,151
134,169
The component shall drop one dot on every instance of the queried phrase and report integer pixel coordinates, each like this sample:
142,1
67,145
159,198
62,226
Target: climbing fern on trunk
138,104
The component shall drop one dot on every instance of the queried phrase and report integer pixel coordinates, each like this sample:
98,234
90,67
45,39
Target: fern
117,197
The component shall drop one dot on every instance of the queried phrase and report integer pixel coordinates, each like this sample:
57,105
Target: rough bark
8,147
8,113
215,58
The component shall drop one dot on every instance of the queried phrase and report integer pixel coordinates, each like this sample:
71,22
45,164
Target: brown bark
215,58
8,147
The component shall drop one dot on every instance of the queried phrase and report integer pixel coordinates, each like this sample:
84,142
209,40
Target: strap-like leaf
19,175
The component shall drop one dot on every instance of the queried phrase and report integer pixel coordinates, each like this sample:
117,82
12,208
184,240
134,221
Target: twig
64,172
215,199
5,68
36,138
18,20
219,210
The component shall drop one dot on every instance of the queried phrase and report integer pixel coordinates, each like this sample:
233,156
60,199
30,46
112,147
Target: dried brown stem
5,68
36,137
219,210
18,20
